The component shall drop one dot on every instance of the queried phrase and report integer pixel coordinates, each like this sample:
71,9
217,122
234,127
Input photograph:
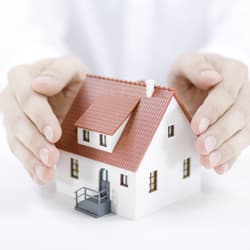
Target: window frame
186,168
171,129
85,135
124,180
74,168
153,181
103,140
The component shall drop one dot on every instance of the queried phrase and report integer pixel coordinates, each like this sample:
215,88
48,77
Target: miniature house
127,148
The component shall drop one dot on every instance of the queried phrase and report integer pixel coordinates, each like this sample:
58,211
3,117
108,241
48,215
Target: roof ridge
136,83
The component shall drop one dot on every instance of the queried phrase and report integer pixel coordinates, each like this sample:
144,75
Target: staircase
92,202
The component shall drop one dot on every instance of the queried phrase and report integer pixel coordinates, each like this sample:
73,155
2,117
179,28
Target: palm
190,94
62,101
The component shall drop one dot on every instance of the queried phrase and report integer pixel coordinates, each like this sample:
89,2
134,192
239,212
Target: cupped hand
34,104
216,92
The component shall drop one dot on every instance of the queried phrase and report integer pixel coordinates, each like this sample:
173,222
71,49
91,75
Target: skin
34,104
215,90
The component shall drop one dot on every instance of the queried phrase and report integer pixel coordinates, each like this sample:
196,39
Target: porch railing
86,193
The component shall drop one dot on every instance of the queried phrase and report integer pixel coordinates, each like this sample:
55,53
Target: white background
36,218
32,217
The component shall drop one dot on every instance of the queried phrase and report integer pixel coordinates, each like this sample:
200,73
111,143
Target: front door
103,180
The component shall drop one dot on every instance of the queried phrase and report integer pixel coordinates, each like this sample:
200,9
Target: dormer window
102,123
85,135
103,140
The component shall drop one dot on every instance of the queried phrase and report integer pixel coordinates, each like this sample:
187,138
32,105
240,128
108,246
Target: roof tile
107,113
137,135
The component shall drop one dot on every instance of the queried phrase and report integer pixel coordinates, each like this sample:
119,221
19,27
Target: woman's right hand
34,104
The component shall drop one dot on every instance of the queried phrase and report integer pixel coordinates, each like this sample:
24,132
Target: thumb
198,70
57,74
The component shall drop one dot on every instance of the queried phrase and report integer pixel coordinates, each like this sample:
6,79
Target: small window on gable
153,181
74,168
124,180
186,168
103,140
85,135
171,131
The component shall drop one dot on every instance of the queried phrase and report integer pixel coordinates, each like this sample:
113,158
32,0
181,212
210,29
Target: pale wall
94,141
166,155
123,198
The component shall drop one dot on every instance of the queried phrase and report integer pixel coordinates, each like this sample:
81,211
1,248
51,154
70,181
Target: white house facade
126,148
168,172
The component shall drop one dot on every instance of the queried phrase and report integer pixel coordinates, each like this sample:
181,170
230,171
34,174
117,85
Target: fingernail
39,172
211,75
48,132
210,143
215,158
44,155
222,169
45,79
203,124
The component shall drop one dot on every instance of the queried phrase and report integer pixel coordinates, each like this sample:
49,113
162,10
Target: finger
227,151
34,105
57,74
229,124
197,70
28,134
222,169
35,168
220,98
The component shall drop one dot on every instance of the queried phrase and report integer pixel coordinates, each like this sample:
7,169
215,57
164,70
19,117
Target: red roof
107,113
140,128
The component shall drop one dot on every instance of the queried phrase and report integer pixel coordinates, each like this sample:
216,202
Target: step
86,212
91,207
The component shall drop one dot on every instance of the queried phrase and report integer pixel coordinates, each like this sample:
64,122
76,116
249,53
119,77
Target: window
124,180
85,135
74,168
186,167
171,131
103,141
153,182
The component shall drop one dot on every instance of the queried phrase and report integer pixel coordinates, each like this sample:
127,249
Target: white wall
123,198
166,155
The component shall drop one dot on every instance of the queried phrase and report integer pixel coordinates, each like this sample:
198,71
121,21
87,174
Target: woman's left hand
216,91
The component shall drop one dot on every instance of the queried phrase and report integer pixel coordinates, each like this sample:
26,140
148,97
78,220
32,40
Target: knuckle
230,94
223,131
25,100
240,116
14,72
228,150
17,125
212,110
80,67
182,59
241,68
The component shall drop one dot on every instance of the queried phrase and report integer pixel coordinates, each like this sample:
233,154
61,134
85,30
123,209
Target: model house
127,148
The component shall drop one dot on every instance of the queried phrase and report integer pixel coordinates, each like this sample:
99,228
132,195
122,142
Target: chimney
150,87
